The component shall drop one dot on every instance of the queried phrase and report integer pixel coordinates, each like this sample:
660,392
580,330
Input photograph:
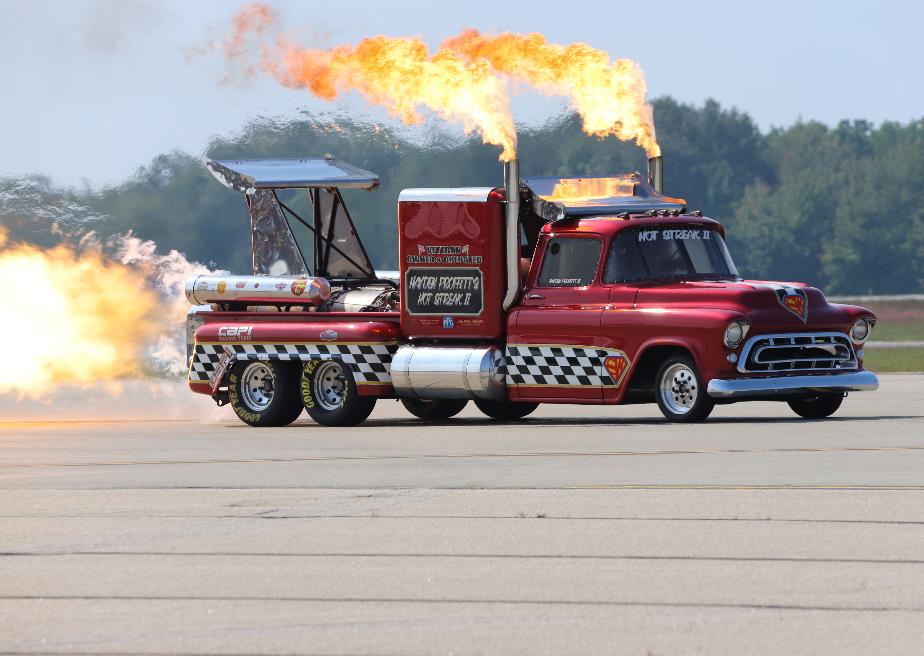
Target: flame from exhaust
610,96
465,80
394,72
70,317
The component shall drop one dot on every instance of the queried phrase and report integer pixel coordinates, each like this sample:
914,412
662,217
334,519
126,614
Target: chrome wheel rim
679,389
257,390
329,388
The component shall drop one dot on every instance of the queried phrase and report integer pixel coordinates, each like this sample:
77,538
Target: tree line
839,207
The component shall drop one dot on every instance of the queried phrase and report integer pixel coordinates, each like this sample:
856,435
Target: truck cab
654,305
593,290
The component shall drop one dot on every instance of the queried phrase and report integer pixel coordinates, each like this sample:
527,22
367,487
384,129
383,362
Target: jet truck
593,290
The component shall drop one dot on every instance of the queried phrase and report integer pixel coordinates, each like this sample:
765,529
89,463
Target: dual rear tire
274,393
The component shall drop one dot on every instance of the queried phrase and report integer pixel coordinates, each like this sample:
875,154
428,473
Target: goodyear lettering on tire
307,396
239,409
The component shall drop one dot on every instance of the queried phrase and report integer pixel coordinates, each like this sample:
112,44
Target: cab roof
613,223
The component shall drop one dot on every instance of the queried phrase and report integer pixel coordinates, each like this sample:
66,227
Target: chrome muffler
449,372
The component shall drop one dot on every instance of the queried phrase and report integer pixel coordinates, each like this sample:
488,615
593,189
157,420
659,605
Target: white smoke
167,274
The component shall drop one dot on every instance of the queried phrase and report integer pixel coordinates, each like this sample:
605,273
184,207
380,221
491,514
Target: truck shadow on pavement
614,421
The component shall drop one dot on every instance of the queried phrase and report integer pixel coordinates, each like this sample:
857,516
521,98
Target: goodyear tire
506,410
680,391
328,392
817,407
265,393
436,409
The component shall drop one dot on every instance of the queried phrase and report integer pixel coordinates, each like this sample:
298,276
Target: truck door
553,338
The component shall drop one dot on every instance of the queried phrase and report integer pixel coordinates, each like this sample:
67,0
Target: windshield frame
733,275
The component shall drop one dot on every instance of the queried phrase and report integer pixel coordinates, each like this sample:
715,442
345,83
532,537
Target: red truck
595,290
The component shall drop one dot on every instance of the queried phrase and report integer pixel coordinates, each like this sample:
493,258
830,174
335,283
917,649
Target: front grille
797,352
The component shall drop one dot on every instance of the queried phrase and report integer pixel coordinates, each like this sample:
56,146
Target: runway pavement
581,530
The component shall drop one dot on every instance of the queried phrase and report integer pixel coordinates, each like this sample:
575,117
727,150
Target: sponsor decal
443,291
221,286
796,303
794,299
448,322
281,285
298,287
223,362
328,335
240,284
444,254
235,333
674,233
616,366
442,220
202,286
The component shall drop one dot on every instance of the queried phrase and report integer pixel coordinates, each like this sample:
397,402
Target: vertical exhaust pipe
656,173
512,231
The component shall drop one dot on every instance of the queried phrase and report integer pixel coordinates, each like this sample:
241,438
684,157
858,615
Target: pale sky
93,89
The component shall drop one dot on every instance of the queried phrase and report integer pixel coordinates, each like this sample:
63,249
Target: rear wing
338,253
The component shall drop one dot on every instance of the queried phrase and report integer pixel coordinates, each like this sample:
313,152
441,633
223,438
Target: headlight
860,330
735,333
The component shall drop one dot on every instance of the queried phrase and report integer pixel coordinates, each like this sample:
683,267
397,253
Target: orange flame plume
465,80
610,96
397,73
70,317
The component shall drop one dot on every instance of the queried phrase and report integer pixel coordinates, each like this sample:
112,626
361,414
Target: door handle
535,296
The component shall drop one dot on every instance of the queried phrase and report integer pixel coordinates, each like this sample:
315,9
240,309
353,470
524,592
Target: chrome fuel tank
449,372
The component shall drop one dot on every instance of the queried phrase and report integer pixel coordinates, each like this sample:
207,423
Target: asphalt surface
581,530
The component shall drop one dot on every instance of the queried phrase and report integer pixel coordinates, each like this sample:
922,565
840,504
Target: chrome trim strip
857,381
449,195
749,344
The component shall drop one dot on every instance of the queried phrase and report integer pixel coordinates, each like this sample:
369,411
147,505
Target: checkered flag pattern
558,365
370,363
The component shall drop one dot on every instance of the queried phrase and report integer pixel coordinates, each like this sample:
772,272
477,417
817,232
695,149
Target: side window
570,262
624,261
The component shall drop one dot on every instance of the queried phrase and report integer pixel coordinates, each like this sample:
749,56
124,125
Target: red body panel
315,330
452,268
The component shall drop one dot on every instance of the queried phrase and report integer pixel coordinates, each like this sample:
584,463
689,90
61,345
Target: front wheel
330,396
680,392
506,410
264,393
436,409
817,407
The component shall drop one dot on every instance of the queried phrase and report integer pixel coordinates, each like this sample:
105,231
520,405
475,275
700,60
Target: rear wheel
679,391
435,409
330,396
506,410
817,407
264,393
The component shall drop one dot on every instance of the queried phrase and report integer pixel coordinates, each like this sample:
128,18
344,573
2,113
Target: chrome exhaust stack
656,173
512,231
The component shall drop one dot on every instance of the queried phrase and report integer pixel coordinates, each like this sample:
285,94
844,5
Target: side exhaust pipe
656,173
512,231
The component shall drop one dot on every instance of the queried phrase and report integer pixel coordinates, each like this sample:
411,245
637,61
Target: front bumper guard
734,388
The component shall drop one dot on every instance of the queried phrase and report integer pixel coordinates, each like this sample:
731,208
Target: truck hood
784,305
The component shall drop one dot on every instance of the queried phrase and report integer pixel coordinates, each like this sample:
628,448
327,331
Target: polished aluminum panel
555,198
248,175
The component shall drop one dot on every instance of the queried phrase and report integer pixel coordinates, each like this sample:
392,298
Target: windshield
668,253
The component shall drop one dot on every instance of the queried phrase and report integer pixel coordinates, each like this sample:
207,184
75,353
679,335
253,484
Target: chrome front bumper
857,381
